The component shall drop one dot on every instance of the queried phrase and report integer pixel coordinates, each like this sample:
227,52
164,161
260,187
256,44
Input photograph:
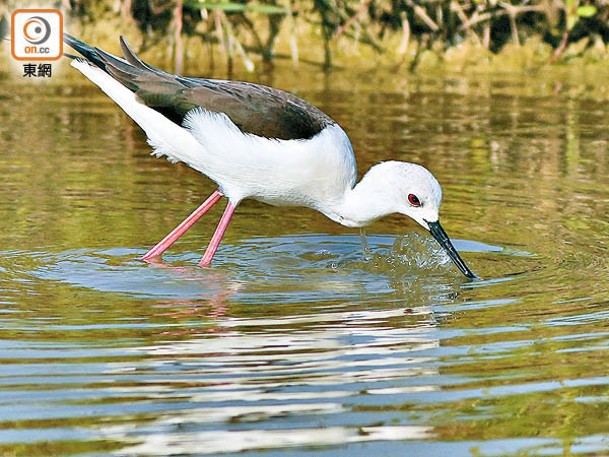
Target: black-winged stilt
262,143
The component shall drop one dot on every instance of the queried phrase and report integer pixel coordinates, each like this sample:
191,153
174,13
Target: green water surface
295,343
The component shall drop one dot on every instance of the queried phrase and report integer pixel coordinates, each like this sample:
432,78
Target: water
297,342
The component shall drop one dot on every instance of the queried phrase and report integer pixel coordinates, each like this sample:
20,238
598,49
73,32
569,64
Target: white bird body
315,169
317,173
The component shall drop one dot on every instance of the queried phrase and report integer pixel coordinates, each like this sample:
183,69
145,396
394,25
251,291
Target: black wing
254,108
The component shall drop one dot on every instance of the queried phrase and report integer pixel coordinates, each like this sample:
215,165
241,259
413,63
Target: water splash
413,255
419,251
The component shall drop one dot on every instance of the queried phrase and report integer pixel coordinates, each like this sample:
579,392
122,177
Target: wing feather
255,109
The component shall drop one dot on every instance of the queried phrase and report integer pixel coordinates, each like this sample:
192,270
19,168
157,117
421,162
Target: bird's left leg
176,233
218,234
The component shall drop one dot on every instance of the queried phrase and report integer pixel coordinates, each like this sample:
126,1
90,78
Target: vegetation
401,30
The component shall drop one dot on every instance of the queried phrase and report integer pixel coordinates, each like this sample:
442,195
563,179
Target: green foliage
245,26
233,7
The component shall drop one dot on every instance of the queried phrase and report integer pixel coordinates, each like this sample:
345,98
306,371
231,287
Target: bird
258,142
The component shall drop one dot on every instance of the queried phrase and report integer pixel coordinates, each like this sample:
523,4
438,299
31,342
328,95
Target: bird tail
88,52
117,78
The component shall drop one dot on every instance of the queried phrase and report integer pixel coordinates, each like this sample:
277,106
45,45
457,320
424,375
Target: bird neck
362,204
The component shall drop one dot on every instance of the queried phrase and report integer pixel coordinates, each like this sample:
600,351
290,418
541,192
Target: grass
402,34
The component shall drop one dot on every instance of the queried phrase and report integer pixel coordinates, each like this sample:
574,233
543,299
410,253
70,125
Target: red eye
414,200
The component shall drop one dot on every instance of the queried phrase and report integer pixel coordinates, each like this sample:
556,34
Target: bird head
413,191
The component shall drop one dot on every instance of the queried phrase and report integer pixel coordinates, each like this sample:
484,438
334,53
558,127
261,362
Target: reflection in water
296,341
286,269
239,441
288,369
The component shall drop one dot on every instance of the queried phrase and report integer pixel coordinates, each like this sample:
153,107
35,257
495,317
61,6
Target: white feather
302,172
166,137
315,172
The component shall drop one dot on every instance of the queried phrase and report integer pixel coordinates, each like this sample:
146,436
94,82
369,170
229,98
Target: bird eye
414,200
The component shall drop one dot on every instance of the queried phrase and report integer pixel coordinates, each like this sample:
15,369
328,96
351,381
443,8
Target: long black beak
441,237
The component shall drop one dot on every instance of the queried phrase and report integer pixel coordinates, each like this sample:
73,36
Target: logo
37,34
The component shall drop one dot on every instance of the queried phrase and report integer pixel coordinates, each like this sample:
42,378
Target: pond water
296,343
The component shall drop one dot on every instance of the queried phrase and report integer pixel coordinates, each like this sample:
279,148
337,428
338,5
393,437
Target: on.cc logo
37,30
36,34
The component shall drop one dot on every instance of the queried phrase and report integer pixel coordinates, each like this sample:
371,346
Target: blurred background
295,343
393,32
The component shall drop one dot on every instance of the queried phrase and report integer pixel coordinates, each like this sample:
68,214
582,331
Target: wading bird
262,143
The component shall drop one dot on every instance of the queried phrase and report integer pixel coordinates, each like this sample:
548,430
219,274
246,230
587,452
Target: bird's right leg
365,247
177,232
218,234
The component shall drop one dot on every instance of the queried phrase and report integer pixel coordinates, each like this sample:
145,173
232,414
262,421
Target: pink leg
218,234
177,232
